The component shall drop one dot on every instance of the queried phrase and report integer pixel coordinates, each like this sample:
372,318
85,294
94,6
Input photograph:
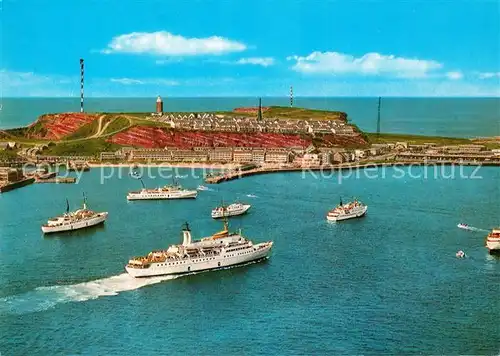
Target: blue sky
240,48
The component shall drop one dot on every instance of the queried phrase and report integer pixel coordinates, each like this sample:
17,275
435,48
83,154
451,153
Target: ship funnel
186,235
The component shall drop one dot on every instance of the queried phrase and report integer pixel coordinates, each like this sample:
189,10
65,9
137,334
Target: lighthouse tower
159,106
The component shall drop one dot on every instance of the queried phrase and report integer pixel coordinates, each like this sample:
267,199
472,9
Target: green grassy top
116,124
283,112
415,139
302,113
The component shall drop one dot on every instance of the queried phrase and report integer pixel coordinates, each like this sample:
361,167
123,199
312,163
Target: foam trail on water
478,229
472,228
252,196
43,298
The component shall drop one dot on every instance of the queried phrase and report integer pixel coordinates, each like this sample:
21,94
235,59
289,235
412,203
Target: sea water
387,283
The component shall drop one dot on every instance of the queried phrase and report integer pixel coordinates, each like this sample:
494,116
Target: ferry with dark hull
222,249
351,210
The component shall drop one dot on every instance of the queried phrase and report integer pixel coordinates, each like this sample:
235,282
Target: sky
250,48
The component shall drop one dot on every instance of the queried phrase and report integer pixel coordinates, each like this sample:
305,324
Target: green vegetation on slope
85,131
117,124
415,139
90,147
17,132
8,155
36,129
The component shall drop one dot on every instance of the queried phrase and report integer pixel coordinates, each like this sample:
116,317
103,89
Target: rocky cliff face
154,137
57,126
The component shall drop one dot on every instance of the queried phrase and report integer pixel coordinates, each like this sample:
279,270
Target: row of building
299,155
223,123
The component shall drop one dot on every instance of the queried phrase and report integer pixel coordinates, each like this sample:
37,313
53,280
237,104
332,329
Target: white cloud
154,81
455,75
167,44
126,81
261,61
368,64
489,75
169,60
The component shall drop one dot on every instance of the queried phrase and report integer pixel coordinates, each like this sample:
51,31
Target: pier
57,180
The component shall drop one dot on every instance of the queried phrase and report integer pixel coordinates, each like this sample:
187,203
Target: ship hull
211,263
100,219
493,246
162,196
220,214
353,215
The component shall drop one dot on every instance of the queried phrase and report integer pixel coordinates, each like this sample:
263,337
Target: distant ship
230,210
350,210
202,188
493,241
80,219
173,191
166,192
222,249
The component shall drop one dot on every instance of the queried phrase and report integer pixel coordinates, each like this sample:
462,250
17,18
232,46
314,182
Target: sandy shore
166,165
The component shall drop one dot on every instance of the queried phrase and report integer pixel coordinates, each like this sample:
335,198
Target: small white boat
460,254
251,196
464,226
230,210
202,187
79,219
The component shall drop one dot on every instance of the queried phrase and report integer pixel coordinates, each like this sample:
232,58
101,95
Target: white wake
43,298
472,228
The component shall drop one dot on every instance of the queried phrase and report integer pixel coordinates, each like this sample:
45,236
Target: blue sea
386,284
456,117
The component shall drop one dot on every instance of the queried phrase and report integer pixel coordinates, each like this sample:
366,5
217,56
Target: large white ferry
230,210
166,192
79,219
219,250
493,241
350,210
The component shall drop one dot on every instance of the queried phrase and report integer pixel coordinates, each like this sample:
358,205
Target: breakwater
232,175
